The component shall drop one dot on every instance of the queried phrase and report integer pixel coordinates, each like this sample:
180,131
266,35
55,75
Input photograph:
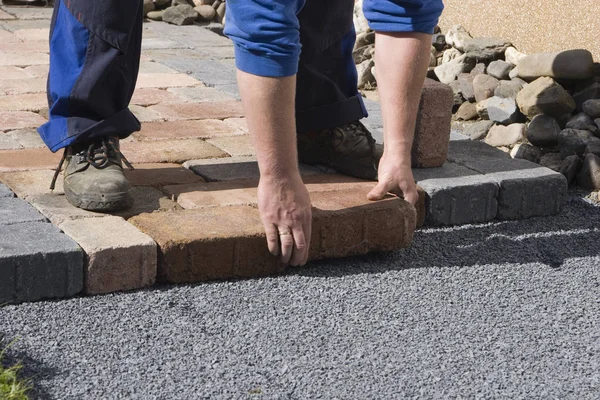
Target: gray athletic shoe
93,177
349,149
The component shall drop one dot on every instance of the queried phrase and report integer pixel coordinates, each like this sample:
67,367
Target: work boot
349,149
93,177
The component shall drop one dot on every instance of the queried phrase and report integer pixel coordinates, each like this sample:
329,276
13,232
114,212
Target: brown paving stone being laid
23,86
30,183
10,120
147,200
209,244
28,159
10,72
118,256
432,134
25,59
24,102
165,80
206,110
240,145
160,174
229,242
151,96
201,129
170,151
345,223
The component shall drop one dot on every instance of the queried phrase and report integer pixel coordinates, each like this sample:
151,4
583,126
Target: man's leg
328,104
94,61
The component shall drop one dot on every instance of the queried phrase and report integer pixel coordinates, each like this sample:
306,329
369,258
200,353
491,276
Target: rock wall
532,25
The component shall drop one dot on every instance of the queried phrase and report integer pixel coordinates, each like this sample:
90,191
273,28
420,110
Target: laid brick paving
194,184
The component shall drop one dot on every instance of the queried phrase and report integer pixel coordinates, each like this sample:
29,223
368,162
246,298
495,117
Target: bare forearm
269,105
402,60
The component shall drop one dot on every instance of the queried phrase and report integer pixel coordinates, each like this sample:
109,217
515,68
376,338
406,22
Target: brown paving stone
39,34
165,80
24,59
207,110
31,183
432,133
201,129
214,194
161,174
24,102
170,151
239,123
240,145
346,223
209,244
118,256
151,96
10,72
147,200
23,86
10,120
228,242
28,159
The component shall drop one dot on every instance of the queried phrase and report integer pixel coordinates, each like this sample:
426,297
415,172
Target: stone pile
185,12
541,107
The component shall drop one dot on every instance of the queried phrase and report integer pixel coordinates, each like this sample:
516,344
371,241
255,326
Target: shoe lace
97,154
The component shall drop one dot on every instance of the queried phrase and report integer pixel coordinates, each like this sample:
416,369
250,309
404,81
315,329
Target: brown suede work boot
349,149
93,177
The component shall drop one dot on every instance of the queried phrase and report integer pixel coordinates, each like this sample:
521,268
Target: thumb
378,192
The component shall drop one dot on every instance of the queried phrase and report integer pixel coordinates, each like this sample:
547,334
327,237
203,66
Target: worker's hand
285,210
396,177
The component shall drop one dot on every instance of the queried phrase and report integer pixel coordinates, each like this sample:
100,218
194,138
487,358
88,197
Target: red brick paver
28,159
170,151
202,129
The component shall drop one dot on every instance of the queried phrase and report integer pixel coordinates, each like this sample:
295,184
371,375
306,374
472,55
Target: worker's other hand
396,177
286,213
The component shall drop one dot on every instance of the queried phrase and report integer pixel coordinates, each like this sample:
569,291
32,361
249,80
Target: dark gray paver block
457,195
237,168
526,189
16,211
37,262
526,193
5,191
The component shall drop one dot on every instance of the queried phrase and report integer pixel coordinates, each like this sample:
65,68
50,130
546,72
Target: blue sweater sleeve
403,15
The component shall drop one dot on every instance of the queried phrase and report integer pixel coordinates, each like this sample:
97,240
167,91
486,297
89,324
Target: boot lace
97,154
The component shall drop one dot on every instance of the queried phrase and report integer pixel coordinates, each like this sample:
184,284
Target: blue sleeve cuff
403,15
256,63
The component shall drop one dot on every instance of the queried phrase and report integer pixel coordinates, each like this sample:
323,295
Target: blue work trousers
95,51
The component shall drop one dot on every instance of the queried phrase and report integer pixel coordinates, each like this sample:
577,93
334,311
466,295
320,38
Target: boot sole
100,202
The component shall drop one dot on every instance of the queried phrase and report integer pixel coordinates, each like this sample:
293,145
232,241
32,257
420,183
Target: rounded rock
180,15
499,69
570,64
479,130
500,135
527,152
592,108
570,168
543,131
545,96
205,13
503,111
589,177
484,87
155,15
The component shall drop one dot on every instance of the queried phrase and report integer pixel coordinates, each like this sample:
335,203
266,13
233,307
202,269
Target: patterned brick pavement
195,217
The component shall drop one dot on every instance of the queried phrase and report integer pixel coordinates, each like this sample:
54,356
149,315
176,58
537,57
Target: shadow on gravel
574,233
33,369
